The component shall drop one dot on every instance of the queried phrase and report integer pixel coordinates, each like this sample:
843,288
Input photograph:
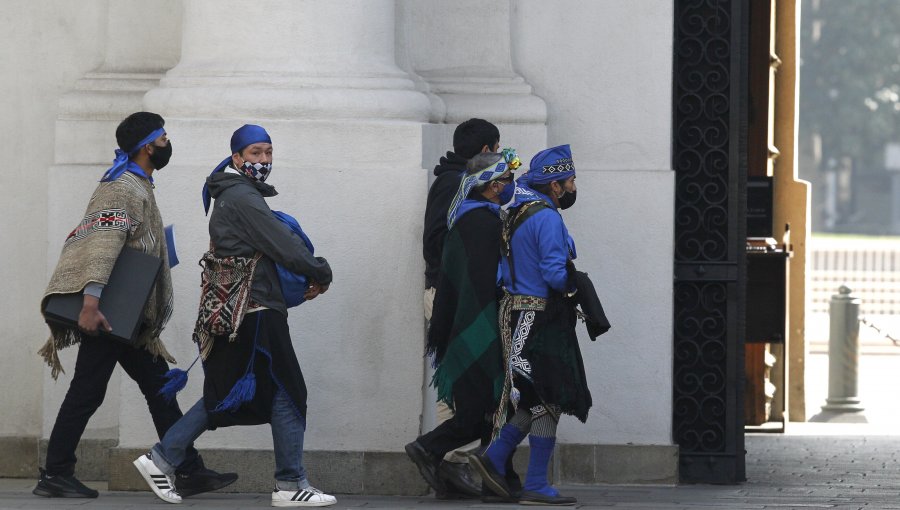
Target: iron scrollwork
706,212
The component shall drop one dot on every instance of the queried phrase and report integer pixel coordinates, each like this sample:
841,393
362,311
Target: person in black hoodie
451,478
472,137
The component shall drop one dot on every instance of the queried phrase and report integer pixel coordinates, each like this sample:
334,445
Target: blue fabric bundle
293,285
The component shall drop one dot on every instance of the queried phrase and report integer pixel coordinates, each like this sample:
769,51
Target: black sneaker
62,486
428,465
202,480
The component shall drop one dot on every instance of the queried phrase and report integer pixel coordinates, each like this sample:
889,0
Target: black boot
428,466
459,481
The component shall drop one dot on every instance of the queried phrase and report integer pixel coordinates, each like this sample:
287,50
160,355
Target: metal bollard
843,403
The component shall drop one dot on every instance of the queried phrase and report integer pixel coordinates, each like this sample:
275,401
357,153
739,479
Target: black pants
97,357
455,433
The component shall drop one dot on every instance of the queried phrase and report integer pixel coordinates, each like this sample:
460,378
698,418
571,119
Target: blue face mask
507,194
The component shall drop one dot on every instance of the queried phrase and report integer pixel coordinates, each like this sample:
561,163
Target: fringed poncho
120,213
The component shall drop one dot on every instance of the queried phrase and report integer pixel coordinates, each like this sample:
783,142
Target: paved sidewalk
798,470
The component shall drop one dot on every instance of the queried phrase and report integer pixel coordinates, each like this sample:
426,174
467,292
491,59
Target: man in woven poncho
464,336
121,212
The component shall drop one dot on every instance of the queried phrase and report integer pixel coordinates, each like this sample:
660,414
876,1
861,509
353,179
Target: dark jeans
97,357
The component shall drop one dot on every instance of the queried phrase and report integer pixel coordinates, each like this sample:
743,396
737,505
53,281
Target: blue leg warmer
498,451
536,478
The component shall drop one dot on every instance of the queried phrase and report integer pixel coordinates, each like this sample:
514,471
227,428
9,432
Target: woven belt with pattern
523,302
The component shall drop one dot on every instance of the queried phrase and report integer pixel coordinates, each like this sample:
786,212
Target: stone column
137,56
288,59
463,54
843,404
346,124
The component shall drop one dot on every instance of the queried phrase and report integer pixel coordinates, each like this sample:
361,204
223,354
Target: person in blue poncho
252,374
544,370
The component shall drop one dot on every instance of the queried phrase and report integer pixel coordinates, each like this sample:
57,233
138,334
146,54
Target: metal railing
870,267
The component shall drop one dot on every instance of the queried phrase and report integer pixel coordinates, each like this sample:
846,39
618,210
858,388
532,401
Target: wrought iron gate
710,159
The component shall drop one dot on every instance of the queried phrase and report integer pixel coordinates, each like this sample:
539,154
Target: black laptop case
122,301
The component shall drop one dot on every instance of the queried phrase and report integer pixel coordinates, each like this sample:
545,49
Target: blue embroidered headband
123,159
246,135
550,165
489,174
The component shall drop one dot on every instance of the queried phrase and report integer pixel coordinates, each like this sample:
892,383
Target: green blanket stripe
464,351
475,330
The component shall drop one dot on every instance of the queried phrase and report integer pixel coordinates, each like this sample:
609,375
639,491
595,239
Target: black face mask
568,199
161,155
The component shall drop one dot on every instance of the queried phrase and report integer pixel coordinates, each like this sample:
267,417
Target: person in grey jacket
252,377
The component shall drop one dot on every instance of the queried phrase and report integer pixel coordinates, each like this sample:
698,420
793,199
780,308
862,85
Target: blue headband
246,135
493,172
550,165
123,159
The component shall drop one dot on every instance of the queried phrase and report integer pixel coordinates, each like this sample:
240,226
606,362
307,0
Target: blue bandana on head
123,161
246,135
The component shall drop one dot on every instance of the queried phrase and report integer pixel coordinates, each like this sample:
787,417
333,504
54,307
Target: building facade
361,99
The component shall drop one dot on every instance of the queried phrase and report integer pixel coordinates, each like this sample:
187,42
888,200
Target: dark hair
135,127
545,188
472,135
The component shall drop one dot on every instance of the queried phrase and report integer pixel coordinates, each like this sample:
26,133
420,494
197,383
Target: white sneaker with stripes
309,496
162,484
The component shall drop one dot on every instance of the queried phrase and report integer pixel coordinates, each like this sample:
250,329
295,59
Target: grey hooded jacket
242,224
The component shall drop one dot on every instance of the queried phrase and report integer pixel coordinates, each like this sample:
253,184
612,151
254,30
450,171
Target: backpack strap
511,223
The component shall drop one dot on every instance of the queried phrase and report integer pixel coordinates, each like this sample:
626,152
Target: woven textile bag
224,297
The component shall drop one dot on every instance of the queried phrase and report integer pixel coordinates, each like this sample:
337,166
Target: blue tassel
245,388
176,380
242,391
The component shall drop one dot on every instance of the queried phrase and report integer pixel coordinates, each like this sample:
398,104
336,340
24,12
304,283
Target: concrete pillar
137,55
346,124
843,403
287,59
468,71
